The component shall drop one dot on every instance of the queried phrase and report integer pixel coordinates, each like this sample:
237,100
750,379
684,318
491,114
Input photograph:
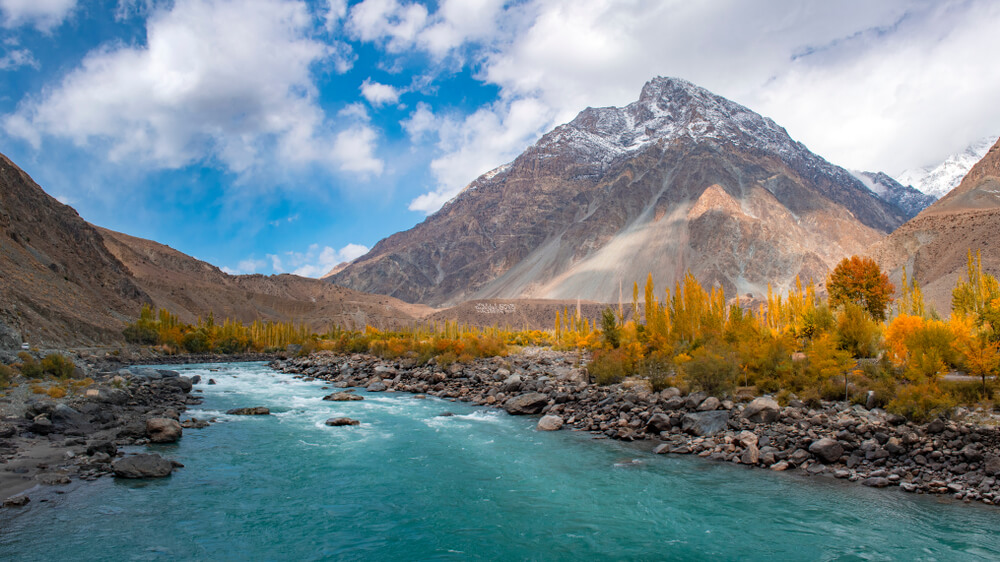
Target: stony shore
46,442
871,447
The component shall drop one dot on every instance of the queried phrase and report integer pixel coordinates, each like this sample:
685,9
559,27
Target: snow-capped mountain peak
938,180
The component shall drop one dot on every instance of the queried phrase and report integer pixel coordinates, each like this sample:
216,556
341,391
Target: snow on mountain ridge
938,180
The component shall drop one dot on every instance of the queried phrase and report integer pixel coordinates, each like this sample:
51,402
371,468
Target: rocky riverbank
835,440
53,441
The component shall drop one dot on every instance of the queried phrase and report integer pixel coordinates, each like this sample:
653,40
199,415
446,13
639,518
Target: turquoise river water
408,484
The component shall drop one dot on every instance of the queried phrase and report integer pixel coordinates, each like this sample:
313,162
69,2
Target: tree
609,325
860,281
982,358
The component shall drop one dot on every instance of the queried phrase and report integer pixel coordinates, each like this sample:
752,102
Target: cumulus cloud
869,85
199,90
379,94
42,14
316,261
247,266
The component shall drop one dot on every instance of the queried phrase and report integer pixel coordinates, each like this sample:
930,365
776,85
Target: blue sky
287,135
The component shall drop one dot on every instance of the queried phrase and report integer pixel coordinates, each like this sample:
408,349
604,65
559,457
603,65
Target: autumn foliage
860,281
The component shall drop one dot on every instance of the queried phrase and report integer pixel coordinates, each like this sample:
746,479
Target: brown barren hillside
58,283
192,288
934,245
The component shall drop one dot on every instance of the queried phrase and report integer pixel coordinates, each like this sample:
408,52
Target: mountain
681,179
906,197
57,280
66,282
934,245
938,180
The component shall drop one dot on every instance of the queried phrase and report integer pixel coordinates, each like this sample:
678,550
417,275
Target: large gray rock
992,465
827,450
163,430
180,383
762,410
704,424
709,404
550,423
658,423
526,404
342,397
751,455
143,466
255,411
68,418
377,386
512,384
116,396
338,422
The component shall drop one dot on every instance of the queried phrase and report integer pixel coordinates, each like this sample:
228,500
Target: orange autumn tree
860,281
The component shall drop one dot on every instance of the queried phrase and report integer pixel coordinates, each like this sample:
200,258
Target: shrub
38,389
58,366
712,369
232,344
857,333
29,367
610,366
921,402
609,328
56,392
6,375
659,371
196,342
142,335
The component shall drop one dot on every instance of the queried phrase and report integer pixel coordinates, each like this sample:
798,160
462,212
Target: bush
196,342
712,369
610,366
142,335
28,366
58,366
6,375
921,402
232,344
857,333
660,372
609,328
56,392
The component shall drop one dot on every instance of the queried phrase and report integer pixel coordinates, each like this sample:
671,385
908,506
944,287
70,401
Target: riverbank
871,447
47,442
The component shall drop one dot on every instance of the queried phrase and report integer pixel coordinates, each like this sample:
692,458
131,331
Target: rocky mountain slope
66,282
938,180
57,280
679,180
907,198
934,245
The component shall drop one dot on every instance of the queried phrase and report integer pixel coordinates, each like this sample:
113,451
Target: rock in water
827,450
256,411
526,404
337,422
762,410
163,430
704,424
376,387
143,466
342,397
549,423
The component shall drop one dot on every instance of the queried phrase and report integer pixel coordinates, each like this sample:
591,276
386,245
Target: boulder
762,410
41,425
512,384
142,466
827,450
704,424
16,501
377,386
695,398
549,423
67,418
106,447
658,423
674,403
936,426
709,404
526,404
992,465
7,430
181,383
255,411
337,422
751,455
747,438
342,397
876,482
163,430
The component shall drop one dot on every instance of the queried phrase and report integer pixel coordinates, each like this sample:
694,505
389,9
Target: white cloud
16,58
199,90
389,22
379,94
247,266
316,261
868,85
43,14
474,144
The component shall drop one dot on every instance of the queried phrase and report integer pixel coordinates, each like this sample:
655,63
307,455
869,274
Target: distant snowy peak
939,180
907,198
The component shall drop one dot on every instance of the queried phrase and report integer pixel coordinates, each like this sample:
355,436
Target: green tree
609,327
